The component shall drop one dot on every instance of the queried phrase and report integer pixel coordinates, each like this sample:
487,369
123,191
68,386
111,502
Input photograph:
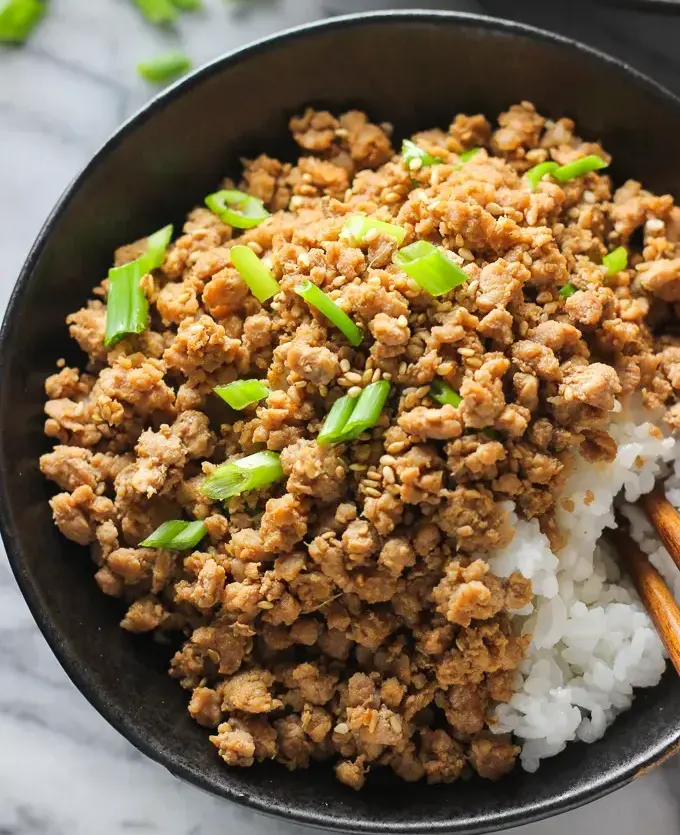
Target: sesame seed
354,391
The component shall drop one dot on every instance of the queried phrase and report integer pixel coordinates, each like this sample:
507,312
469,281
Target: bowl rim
479,823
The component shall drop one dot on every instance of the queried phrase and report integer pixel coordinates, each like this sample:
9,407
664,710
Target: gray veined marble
62,768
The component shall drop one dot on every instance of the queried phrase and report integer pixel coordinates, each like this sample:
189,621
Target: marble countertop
62,768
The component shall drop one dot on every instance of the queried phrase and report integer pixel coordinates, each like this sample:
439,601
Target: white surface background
62,768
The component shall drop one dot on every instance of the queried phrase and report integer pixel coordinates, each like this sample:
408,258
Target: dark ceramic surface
157,166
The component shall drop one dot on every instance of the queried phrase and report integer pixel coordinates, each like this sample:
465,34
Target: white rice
592,642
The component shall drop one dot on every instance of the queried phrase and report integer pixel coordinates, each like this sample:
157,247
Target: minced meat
348,611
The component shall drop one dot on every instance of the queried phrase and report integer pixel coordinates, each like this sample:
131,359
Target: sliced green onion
335,422
324,304
159,12
444,394
568,290
358,226
188,5
366,410
156,245
242,393
176,535
250,473
259,279
616,260
238,209
163,67
127,308
429,268
467,155
538,172
410,152
18,18
579,167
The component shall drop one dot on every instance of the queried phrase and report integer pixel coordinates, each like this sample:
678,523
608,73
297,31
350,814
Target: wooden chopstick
665,518
654,593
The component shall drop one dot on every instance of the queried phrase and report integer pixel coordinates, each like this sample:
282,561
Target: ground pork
345,609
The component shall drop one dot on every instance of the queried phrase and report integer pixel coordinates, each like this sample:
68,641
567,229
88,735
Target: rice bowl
427,348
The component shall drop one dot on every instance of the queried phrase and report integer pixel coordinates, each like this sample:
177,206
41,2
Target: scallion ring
579,167
411,152
259,279
335,422
238,209
325,305
250,473
242,393
164,67
159,12
535,175
358,226
127,308
176,535
568,290
467,155
616,260
156,247
429,268
367,409
443,393
18,19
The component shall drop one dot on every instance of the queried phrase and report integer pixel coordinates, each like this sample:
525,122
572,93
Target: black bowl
414,69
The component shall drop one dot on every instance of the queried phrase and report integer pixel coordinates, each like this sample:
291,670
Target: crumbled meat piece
595,384
200,344
205,707
588,307
470,515
492,756
313,470
352,774
318,365
534,358
250,692
144,615
315,130
442,757
662,279
441,423
500,283
368,144
78,514
88,327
